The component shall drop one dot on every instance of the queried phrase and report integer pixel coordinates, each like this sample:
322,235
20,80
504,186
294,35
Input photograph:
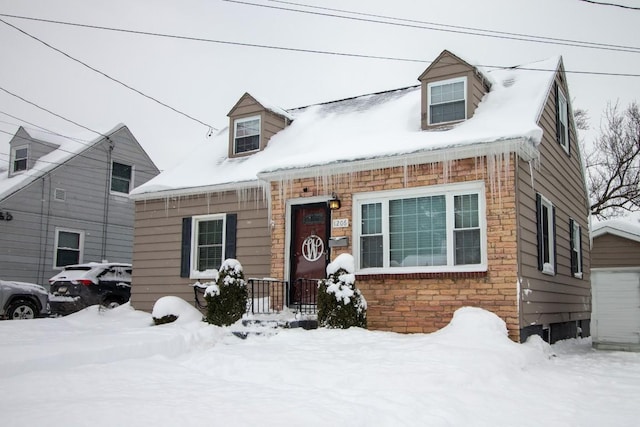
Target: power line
108,76
611,4
49,111
414,21
460,30
290,49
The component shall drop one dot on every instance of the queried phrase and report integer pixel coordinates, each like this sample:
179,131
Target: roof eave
524,147
192,191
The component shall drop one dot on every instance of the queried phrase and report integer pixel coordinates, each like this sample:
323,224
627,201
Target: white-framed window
576,248
563,120
546,235
69,247
427,229
121,177
447,100
207,242
19,159
246,135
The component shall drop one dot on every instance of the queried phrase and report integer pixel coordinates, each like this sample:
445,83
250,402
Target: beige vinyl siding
158,240
559,177
448,66
614,251
270,123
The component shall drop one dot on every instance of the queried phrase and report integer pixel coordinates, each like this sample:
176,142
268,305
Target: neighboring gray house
615,285
65,201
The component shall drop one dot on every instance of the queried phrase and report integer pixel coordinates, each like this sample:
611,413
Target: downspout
107,192
44,231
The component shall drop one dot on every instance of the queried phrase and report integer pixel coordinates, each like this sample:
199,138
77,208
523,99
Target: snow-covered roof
370,131
68,147
627,228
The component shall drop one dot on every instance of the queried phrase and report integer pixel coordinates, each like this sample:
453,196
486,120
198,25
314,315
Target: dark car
81,285
19,300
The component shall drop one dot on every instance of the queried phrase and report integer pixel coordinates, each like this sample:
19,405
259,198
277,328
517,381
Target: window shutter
555,244
539,229
185,255
230,235
571,246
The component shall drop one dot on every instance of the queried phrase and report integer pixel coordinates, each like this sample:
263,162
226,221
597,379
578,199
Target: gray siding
158,239
106,219
614,251
547,299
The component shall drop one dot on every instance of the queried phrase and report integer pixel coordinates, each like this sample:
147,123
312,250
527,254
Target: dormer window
246,135
447,100
20,156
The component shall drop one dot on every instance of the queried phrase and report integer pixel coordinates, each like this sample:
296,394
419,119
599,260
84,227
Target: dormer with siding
252,123
451,91
25,151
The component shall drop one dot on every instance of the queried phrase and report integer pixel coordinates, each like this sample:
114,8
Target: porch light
334,202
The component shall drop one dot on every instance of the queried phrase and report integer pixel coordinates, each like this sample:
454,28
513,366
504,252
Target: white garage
615,285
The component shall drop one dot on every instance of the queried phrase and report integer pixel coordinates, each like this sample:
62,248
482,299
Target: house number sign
5,216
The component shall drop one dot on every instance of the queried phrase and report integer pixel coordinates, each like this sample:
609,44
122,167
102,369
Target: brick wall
421,302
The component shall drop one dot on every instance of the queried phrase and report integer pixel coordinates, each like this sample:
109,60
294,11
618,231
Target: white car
19,300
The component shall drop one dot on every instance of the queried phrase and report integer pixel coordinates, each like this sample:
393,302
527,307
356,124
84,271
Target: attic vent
60,195
508,82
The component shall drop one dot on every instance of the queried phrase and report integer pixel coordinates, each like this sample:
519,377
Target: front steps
265,326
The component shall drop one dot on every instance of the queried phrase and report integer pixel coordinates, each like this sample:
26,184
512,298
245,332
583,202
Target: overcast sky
204,79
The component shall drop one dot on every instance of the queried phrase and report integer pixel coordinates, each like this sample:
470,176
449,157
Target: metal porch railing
268,296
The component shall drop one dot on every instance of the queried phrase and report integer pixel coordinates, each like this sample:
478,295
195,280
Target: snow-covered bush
340,302
227,298
171,309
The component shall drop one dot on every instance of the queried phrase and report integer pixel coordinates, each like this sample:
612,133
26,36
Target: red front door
309,250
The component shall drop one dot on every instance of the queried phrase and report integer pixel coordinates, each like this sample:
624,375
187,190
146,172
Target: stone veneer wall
422,302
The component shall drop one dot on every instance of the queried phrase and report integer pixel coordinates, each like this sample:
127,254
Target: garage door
616,307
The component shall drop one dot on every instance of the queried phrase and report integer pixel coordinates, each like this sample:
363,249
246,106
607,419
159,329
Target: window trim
575,233
194,273
449,191
111,190
14,159
462,79
548,268
563,107
81,234
235,133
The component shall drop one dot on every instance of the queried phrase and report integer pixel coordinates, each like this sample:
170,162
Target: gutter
191,191
524,147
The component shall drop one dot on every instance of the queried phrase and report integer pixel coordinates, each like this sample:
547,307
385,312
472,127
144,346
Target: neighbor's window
19,159
68,247
208,242
428,229
562,120
576,248
247,135
546,235
121,178
447,100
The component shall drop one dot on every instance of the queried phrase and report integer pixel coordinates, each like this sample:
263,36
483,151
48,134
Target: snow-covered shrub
340,302
171,309
227,298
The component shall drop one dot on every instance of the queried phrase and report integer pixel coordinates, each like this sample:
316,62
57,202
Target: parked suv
19,300
81,285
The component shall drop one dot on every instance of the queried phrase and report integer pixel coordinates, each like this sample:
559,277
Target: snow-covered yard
111,368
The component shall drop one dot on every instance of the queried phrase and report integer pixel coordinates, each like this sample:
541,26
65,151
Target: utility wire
414,21
108,76
49,111
290,49
465,30
611,4
81,141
